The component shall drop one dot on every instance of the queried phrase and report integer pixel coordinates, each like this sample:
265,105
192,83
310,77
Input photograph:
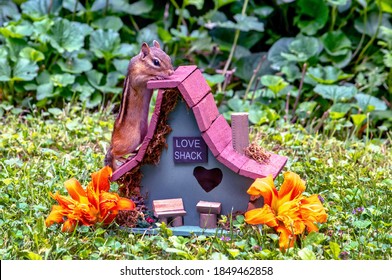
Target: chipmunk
130,126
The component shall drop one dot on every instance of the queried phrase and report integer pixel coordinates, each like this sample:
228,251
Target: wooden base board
181,231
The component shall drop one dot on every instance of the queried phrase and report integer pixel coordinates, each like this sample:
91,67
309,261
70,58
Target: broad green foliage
287,57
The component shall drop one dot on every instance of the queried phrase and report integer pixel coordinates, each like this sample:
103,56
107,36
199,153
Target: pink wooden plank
232,159
124,169
152,126
205,112
142,150
240,130
194,88
158,101
253,169
155,116
218,136
181,73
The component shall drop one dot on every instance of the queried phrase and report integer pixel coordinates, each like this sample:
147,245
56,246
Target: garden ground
39,151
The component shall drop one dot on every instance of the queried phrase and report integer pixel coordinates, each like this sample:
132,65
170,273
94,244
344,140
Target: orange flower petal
92,195
56,216
64,201
125,204
261,216
76,190
310,226
292,187
288,213
100,179
108,200
69,225
286,238
264,187
312,209
109,218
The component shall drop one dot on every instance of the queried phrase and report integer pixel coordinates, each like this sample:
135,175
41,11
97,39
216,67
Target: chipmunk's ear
156,44
145,50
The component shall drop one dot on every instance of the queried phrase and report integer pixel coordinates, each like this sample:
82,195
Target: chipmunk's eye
156,62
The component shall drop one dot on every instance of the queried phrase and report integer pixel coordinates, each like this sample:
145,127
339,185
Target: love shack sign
189,150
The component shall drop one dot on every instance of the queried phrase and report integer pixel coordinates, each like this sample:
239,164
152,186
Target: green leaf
336,43
44,91
264,11
32,54
178,252
15,46
95,79
358,119
197,3
335,250
275,53
336,93
73,5
306,254
24,70
338,2
339,110
31,255
109,22
238,105
67,35
55,111
3,52
371,26
368,103
362,224
386,6
38,9
233,252
9,10
274,83
75,65
218,256
248,63
121,65
220,3
213,79
305,109
291,72
17,29
327,75
243,23
104,43
312,15
314,238
5,70
302,49
339,61
137,8
62,80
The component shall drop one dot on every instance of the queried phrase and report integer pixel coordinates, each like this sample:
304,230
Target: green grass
39,151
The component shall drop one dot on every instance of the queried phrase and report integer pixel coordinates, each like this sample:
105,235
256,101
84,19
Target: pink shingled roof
214,129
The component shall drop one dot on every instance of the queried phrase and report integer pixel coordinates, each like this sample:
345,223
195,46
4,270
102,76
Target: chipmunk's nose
170,72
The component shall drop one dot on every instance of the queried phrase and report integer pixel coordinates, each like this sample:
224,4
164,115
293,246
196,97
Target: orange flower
90,206
286,210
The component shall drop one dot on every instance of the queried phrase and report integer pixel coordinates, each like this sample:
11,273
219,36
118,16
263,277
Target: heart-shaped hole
208,179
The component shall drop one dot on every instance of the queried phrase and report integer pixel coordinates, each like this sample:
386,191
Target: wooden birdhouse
191,152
